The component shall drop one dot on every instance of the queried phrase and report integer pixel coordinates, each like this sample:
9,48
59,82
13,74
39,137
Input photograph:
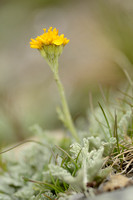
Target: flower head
50,37
50,45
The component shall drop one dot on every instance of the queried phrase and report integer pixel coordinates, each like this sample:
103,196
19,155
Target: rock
122,194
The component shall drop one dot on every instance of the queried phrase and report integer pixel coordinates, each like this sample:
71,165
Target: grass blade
106,119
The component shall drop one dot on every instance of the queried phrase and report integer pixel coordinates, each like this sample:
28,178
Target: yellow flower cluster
48,38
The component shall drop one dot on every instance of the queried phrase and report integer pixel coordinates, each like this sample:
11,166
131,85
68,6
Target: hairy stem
66,112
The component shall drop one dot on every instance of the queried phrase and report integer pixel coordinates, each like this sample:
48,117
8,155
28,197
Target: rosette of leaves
73,171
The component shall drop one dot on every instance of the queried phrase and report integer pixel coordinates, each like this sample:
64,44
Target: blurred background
101,43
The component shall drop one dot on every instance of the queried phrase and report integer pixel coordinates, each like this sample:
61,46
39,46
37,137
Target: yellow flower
48,38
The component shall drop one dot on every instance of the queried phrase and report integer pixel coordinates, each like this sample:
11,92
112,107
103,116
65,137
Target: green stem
53,63
67,115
